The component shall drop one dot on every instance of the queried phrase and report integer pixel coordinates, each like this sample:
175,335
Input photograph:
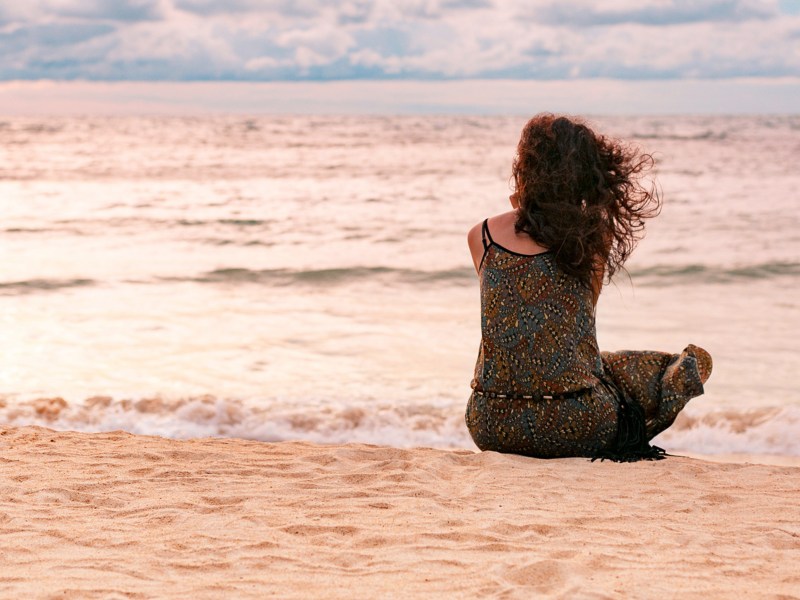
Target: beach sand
117,515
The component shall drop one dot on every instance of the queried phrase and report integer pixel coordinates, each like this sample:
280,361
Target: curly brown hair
580,195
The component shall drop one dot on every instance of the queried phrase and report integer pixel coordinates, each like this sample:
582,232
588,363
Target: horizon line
597,96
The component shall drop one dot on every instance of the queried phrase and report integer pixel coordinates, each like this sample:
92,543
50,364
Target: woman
541,386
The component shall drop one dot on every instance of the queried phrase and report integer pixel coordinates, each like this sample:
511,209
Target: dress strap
487,241
487,237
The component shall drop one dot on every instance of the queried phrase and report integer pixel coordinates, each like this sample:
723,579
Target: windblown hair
580,195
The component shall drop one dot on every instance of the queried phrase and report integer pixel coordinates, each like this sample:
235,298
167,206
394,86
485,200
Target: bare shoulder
504,219
503,231
474,234
475,241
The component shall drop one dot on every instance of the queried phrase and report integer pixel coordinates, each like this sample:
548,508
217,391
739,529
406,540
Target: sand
116,515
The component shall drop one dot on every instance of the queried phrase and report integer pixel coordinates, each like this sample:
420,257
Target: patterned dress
541,386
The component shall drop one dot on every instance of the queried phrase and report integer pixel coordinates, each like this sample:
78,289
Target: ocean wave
765,431
208,416
31,286
698,273
266,277
703,135
29,230
205,222
285,277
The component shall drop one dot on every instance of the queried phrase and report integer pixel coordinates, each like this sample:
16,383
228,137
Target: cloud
125,10
51,34
38,11
466,4
421,39
791,7
590,14
47,48
287,8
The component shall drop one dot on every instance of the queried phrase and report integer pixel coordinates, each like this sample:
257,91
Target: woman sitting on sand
542,388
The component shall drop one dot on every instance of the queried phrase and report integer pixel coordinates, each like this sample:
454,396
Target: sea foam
770,430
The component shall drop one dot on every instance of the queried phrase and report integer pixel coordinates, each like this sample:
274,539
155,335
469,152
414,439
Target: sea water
285,278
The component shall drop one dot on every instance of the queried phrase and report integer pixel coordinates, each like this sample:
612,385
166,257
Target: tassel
631,444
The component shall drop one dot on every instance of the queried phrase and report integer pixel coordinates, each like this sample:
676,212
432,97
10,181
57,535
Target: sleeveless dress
541,386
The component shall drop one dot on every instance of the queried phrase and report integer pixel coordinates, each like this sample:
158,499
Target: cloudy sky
267,40
477,56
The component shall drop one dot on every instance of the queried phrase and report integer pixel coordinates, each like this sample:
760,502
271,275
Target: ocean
308,278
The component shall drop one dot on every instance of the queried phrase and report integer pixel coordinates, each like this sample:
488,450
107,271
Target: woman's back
537,325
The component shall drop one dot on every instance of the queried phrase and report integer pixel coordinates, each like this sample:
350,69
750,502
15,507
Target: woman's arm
475,241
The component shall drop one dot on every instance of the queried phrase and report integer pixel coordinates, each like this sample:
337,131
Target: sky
644,42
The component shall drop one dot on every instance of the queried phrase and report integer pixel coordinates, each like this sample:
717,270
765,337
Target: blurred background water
308,277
